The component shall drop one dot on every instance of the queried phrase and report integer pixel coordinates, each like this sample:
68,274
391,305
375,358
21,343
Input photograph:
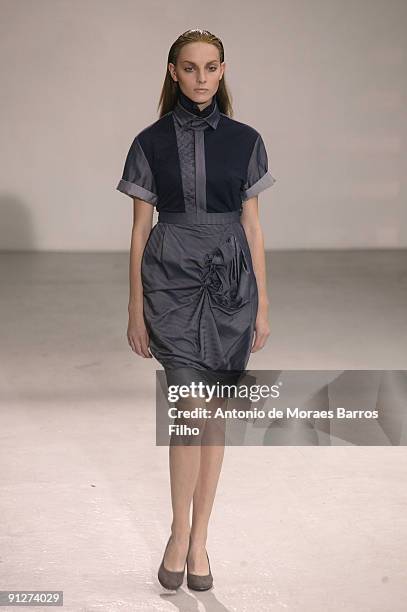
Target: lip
201,90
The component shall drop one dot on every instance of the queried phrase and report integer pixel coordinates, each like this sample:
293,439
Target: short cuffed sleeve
138,180
258,176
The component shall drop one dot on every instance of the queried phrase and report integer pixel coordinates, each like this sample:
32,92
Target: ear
171,69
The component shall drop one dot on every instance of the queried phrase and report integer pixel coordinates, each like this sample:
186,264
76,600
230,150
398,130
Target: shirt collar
185,116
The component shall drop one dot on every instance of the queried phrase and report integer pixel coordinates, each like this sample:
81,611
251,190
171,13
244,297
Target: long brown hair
169,92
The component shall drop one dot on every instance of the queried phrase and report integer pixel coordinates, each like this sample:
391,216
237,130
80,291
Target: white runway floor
85,499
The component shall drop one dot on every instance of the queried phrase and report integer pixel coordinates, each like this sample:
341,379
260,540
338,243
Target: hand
262,331
137,335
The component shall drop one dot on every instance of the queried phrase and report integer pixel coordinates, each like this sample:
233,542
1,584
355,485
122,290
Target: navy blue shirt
191,159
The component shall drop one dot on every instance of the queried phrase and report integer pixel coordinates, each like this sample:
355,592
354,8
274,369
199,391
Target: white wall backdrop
323,81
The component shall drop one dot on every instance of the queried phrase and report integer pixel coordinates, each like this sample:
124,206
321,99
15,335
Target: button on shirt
191,160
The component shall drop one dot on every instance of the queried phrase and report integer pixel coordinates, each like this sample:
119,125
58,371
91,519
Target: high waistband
199,217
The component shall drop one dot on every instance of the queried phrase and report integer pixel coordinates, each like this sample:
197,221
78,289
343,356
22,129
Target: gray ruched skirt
200,298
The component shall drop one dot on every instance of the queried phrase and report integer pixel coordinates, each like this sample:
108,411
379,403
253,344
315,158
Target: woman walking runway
196,301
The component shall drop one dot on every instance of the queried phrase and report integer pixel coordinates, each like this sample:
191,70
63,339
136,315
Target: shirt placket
198,128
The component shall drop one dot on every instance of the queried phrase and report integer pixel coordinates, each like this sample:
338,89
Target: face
198,68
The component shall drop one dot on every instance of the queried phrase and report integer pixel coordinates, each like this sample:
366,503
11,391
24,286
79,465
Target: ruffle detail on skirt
226,275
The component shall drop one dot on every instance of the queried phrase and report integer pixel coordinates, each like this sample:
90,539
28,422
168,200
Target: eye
190,68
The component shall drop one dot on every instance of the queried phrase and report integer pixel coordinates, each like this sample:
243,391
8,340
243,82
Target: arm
137,334
254,233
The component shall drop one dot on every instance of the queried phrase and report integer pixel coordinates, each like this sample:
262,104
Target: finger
146,343
137,347
131,343
260,342
144,347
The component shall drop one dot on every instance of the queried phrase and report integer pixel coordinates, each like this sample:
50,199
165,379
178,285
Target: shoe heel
168,579
197,582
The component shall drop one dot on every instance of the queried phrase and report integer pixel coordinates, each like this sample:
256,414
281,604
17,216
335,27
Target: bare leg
212,453
184,460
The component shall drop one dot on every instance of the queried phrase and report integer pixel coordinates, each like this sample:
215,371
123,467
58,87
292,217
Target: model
198,299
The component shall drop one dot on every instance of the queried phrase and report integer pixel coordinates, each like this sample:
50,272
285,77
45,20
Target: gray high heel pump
197,582
167,578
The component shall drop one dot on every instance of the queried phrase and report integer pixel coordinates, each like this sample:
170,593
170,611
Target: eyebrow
189,62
